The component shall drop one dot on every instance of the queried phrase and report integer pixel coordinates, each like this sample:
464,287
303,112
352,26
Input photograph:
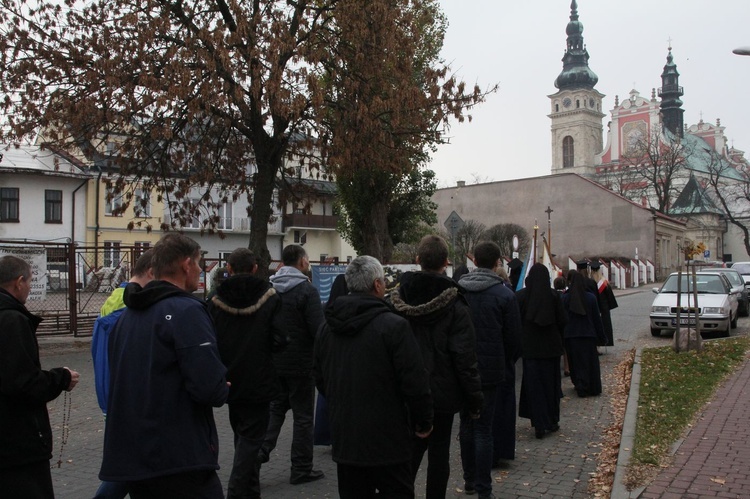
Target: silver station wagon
716,307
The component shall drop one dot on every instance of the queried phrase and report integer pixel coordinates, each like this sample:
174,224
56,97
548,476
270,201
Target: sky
519,45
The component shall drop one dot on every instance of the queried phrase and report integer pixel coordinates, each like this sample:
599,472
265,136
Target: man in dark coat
165,379
25,389
245,310
368,366
302,315
497,323
439,316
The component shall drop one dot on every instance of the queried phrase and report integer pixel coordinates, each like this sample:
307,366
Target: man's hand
423,434
74,377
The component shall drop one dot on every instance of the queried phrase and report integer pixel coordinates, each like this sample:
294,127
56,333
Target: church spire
576,72
670,93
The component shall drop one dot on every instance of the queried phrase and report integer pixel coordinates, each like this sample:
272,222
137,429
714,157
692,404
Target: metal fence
70,283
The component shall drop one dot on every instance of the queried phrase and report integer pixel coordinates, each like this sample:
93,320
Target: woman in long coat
582,333
541,345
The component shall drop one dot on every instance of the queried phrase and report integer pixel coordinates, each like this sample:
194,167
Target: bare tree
651,167
502,235
730,187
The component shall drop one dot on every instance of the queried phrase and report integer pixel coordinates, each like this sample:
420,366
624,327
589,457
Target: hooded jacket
369,368
25,389
497,323
301,316
165,378
439,316
245,311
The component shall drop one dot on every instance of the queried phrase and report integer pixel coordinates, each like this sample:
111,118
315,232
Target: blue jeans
475,437
112,490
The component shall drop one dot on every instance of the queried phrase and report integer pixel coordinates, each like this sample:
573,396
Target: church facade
601,206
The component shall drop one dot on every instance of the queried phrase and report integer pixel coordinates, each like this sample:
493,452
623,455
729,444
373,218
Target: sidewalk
714,458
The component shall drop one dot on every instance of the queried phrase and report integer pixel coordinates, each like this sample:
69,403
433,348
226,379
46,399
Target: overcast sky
519,44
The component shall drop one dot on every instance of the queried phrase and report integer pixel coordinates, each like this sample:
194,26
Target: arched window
568,152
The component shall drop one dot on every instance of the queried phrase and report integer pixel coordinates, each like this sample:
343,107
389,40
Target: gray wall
588,220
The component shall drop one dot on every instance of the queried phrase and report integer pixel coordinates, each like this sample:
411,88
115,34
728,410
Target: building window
52,207
225,216
142,206
568,152
9,198
113,203
111,253
140,248
296,236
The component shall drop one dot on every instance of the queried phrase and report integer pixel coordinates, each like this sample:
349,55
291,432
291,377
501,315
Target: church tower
670,93
576,112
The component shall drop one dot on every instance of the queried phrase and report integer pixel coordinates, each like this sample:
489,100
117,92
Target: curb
627,439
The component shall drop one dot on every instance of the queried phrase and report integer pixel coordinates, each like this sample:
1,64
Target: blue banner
323,276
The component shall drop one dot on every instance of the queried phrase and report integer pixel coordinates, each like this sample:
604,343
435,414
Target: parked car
716,308
744,269
738,286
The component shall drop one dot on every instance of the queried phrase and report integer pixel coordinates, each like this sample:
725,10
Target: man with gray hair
369,368
25,389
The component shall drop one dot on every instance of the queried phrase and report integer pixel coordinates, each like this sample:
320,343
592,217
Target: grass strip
673,388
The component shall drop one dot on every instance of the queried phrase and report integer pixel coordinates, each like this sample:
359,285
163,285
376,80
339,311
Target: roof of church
693,200
701,157
576,72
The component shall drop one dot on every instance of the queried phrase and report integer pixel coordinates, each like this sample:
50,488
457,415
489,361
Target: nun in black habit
544,320
583,332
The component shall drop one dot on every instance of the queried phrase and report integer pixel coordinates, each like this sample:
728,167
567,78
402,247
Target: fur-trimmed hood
242,295
425,296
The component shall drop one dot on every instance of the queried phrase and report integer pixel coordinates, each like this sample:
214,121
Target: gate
70,283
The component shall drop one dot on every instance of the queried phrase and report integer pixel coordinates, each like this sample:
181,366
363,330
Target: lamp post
741,51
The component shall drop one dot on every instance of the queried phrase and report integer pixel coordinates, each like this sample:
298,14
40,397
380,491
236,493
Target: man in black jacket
25,389
497,323
245,313
369,368
439,316
302,315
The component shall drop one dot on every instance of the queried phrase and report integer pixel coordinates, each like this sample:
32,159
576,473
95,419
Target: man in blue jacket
497,323
165,378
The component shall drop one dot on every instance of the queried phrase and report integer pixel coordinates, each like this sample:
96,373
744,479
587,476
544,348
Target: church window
578,103
568,152
557,108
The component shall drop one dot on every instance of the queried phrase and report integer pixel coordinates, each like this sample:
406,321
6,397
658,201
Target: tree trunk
377,241
265,182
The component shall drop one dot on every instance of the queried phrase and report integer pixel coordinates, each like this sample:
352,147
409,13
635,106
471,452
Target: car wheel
733,322
745,309
655,332
725,333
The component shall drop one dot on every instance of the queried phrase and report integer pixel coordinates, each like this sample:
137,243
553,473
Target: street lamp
742,51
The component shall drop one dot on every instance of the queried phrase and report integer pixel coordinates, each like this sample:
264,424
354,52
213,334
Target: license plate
684,321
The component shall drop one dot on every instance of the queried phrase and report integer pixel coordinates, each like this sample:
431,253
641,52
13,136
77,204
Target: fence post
72,288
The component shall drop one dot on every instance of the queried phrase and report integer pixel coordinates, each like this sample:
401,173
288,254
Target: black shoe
554,428
469,489
489,495
539,433
308,477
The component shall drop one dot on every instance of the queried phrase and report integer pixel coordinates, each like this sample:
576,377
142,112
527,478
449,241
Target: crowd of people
392,367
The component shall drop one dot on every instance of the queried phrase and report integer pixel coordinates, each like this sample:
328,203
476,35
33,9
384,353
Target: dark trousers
249,423
297,394
475,437
362,482
438,447
193,485
28,481
504,420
